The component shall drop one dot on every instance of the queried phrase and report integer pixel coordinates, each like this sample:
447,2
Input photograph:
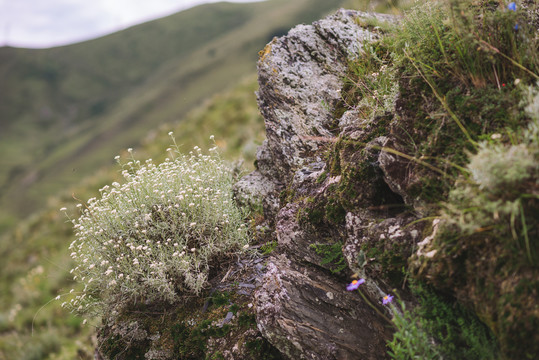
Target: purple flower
512,6
354,285
387,299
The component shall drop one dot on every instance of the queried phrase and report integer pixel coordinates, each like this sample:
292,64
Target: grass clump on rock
486,250
158,235
466,70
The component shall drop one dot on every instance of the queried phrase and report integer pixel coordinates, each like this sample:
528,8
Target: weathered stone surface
288,230
255,190
395,236
300,77
306,315
301,308
296,240
424,248
363,184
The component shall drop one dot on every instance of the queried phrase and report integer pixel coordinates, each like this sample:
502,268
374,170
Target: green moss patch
332,255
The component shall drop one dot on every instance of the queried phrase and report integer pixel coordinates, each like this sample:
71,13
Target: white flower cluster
158,234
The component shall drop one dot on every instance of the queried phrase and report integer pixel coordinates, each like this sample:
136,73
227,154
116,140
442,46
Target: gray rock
295,239
398,235
228,317
301,309
159,354
245,285
310,173
257,191
351,120
300,77
306,314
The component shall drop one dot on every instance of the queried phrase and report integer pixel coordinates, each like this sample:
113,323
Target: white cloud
46,23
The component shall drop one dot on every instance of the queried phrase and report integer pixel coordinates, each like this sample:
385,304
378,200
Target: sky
49,23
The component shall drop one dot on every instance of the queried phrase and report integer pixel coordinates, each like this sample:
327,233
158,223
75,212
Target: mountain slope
67,111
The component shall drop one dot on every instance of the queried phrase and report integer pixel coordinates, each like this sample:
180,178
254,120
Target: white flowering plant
157,235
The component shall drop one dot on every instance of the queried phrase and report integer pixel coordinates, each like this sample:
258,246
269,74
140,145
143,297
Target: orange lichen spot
264,52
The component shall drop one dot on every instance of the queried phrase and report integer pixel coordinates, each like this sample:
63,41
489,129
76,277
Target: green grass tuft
440,328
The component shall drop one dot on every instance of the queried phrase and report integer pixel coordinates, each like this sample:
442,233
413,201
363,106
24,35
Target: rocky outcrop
342,200
301,77
315,203
293,303
329,191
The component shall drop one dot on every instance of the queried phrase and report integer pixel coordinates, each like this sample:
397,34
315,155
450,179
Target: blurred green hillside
66,111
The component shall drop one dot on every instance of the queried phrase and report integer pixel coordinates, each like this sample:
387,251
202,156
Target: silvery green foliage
158,234
532,133
501,176
497,165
